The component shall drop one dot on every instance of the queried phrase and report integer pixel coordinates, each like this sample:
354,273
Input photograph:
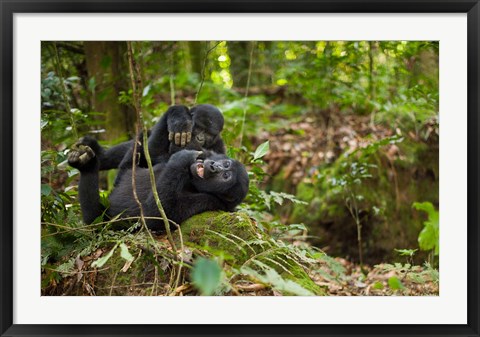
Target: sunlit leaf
394,283
146,90
406,252
101,261
428,238
124,253
261,150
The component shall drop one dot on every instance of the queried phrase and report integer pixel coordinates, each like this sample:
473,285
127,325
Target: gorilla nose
200,138
216,167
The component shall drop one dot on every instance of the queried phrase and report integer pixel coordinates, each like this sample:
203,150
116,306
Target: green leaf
378,285
406,252
394,283
43,124
206,276
124,253
428,238
66,268
428,208
101,261
46,189
271,277
92,83
146,90
261,150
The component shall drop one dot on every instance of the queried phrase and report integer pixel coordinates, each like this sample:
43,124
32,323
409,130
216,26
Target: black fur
204,122
207,124
182,193
179,182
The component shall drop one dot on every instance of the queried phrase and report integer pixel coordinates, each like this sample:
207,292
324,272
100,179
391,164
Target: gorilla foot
80,156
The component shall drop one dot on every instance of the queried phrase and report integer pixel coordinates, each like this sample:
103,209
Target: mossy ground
231,238
236,237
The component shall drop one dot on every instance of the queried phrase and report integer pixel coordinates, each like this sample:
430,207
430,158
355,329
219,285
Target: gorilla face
220,175
207,125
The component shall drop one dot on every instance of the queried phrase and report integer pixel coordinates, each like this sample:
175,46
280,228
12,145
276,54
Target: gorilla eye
227,164
227,175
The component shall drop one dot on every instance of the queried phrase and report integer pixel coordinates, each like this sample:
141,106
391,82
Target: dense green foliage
340,139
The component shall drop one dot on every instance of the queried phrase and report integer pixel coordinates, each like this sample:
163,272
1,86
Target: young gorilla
197,128
191,182
202,132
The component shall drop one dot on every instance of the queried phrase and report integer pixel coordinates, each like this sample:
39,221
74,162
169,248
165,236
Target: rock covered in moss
221,231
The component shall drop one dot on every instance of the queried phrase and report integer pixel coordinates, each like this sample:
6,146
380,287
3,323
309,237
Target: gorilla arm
176,125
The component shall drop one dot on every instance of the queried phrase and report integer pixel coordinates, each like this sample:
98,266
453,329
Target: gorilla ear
240,189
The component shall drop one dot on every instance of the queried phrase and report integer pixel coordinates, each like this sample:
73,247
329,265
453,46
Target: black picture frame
10,7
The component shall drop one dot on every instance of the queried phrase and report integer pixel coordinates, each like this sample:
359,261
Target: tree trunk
239,52
108,70
196,53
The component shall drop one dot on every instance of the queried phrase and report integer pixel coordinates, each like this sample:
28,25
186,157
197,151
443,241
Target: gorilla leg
85,160
112,157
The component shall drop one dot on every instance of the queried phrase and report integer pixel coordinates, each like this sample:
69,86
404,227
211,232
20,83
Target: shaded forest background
351,163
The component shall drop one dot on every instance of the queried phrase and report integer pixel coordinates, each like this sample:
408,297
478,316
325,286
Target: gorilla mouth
200,168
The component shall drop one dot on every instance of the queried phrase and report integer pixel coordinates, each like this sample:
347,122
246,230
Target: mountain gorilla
191,182
188,182
197,128
203,132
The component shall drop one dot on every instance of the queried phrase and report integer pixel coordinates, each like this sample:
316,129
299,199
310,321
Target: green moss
236,238
232,238
220,233
301,277
197,228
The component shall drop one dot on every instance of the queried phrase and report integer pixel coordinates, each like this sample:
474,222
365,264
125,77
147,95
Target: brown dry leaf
251,287
126,266
183,288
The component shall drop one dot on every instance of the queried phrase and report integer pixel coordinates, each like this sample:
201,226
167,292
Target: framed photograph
252,168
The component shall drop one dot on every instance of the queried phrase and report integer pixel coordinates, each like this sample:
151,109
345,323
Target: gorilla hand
185,158
179,124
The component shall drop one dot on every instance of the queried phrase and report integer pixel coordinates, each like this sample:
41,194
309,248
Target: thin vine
204,67
136,88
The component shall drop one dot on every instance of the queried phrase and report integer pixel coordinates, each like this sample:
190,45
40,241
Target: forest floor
297,149
377,281
321,138
354,280
324,139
